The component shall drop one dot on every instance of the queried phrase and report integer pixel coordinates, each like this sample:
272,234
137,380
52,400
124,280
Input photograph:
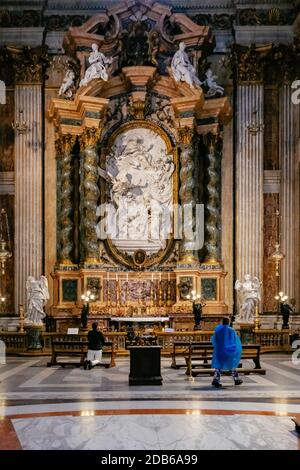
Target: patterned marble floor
69,408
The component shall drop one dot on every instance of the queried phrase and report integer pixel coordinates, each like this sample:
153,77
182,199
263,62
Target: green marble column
64,149
90,195
186,192
212,219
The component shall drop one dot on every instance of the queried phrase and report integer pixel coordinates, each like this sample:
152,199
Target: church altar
137,140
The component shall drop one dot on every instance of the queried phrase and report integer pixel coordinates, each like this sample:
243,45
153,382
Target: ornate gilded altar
167,136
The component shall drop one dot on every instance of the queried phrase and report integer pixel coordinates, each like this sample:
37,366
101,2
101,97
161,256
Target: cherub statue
249,291
68,85
210,82
37,296
182,69
98,67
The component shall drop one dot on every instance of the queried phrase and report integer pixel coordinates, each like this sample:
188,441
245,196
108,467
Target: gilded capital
249,62
210,141
64,144
90,137
30,64
186,135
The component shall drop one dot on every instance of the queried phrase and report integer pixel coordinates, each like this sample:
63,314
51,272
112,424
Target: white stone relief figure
139,172
182,69
68,85
210,82
249,292
37,296
98,67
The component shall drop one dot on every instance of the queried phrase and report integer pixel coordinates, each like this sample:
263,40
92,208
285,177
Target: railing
118,340
166,339
15,342
270,340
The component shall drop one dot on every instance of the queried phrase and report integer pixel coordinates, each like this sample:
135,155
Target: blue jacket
227,348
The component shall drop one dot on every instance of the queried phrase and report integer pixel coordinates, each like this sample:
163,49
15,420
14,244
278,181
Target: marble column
64,149
28,189
249,181
186,192
89,195
212,219
287,190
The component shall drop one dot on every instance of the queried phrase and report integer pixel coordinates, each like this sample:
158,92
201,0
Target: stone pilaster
287,191
249,181
28,189
64,149
89,195
212,219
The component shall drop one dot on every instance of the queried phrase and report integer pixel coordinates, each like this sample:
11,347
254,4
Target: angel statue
210,82
98,67
182,69
249,292
68,85
37,296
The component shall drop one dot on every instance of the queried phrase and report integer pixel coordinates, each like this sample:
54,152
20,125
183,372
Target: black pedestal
145,365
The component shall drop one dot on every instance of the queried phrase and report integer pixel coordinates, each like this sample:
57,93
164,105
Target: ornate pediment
139,33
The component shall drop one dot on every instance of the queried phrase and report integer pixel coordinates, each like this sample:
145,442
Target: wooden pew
200,355
181,349
67,347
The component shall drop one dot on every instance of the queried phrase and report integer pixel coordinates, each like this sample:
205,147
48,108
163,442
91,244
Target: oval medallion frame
161,255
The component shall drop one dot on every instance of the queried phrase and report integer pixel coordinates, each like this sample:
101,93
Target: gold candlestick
256,320
21,312
160,294
108,294
169,293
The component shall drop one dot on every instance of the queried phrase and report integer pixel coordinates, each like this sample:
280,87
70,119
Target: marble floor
69,408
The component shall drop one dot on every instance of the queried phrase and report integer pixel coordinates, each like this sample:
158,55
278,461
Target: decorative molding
7,182
272,181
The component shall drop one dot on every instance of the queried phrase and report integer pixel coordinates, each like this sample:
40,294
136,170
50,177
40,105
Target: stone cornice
72,117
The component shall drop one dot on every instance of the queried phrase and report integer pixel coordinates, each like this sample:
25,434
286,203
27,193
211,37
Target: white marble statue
37,296
249,292
68,84
210,82
98,67
139,172
182,69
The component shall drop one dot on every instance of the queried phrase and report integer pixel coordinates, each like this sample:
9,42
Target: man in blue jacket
227,352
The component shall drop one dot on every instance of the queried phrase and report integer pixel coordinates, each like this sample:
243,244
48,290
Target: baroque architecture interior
149,169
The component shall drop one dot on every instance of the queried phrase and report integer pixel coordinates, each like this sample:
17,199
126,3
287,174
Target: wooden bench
200,355
79,349
181,349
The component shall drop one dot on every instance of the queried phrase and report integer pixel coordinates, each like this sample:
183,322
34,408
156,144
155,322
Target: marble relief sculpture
213,87
182,69
249,292
139,172
68,85
37,296
98,67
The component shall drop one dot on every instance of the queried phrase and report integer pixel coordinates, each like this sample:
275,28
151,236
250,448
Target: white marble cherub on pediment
68,85
98,68
213,87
